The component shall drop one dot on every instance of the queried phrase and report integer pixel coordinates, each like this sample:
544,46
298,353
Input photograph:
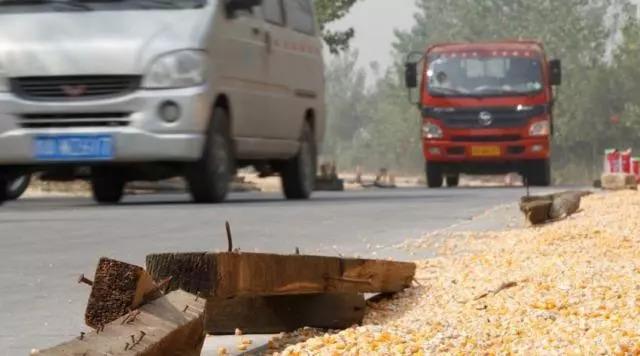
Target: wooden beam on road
274,314
172,325
228,275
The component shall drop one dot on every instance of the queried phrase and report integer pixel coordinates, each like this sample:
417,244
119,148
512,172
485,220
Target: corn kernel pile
568,288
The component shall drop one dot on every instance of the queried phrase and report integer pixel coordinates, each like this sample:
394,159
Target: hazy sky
374,22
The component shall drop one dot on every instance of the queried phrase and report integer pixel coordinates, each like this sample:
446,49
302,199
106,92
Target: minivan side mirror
411,75
233,6
555,72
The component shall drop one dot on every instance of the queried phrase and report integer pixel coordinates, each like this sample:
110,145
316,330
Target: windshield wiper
163,3
71,3
446,91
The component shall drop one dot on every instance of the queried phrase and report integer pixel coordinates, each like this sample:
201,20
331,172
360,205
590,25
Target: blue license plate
74,147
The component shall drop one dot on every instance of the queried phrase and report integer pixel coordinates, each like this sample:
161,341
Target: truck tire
453,181
209,178
17,186
107,185
299,173
435,177
538,173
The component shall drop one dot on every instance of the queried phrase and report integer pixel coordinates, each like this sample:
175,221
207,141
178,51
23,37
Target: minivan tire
210,177
4,182
538,173
17,186
435,176
299,173
107,185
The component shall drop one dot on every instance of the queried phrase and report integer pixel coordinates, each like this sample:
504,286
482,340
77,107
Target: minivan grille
71,120
73,87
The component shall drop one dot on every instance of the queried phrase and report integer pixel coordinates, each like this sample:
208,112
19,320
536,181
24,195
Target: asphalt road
46,243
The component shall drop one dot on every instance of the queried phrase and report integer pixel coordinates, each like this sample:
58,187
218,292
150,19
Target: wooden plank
172,325
118,288
274,314
229,275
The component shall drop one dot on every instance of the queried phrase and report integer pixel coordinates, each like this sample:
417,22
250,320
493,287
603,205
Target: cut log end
117,289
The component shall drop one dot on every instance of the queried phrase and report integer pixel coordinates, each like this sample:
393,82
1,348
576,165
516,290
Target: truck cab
487,108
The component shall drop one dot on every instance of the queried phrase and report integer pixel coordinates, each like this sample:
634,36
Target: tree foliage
329,11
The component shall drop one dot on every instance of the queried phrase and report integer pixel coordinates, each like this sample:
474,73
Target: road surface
46,243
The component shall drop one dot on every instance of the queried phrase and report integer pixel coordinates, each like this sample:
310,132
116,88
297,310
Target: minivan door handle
256,31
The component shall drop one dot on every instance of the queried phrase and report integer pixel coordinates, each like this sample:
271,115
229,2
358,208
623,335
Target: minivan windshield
473,75
23,6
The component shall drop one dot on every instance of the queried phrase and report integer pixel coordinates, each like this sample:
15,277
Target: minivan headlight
177,70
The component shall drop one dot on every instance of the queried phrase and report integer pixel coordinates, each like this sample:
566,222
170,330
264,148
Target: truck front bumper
486,152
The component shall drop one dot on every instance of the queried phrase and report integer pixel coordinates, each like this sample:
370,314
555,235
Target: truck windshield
454,75
22,6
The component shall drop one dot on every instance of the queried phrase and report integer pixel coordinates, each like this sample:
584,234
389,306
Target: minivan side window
273,11
300,16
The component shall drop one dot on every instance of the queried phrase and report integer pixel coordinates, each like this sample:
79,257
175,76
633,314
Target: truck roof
511,45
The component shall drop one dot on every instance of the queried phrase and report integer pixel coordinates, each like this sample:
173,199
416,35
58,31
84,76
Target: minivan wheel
209,178
4,181
538,173
107,185
17,185
299,173
435,176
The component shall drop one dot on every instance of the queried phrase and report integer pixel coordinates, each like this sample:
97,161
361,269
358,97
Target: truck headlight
431,130
540,128
177,70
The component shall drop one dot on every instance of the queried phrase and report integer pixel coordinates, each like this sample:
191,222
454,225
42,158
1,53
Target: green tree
329,11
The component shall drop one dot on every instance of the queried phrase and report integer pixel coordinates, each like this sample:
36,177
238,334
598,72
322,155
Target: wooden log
274,314
541,209
172,325
619,181
118,288
229,275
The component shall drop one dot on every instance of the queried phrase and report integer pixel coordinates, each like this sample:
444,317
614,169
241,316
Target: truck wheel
453,181
107,185
435,177
17,186
209,178
538,173
299,173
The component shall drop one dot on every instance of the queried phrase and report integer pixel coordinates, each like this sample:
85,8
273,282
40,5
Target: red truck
487,108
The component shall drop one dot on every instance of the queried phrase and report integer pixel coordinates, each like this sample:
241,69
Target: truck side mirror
233,6
555,72
411,75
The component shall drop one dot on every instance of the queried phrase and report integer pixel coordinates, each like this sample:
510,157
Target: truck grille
469,118
73,87
71,120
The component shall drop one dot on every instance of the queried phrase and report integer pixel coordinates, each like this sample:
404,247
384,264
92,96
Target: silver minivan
152,89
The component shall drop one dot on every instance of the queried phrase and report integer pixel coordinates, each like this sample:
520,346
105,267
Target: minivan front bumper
138,132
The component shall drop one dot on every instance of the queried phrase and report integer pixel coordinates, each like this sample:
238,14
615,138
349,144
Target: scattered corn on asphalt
568,288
